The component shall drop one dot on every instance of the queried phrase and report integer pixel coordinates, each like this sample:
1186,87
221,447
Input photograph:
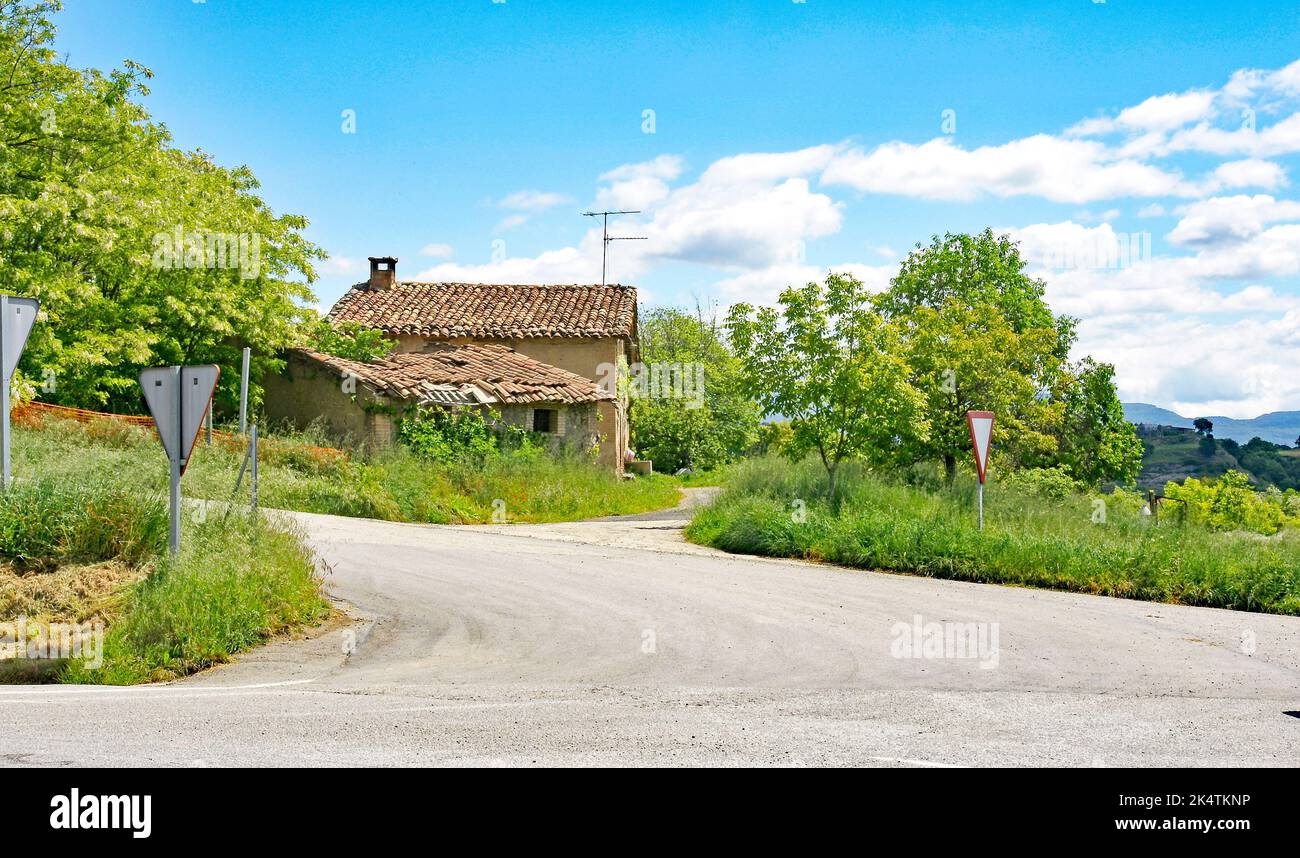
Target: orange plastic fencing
34,413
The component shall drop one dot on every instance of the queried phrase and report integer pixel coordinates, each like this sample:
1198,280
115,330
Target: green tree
837,370
1097,442
982,269
981,336
689,409
350,340
969,358
1203,426
140,253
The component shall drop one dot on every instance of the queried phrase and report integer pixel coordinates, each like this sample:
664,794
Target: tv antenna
606,238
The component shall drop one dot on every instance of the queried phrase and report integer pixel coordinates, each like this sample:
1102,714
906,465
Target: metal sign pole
253,476
981,495
4,397
243,392
174,532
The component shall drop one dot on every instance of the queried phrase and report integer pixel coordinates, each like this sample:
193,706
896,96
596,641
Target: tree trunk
831,471
949,469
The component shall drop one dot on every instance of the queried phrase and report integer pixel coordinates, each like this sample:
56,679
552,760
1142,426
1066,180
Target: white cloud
1249,173
437,251
744,226
1157,113
1234,218
636,186
1070,171
768,167
533,201
762,286
509,222
566,265
1239,368
339,264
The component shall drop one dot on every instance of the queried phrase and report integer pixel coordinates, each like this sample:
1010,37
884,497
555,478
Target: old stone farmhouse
544,357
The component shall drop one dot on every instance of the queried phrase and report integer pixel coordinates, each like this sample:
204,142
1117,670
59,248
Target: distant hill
1277,427
1174,454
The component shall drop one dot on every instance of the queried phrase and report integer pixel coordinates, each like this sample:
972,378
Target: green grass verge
236,583
885,524
392,485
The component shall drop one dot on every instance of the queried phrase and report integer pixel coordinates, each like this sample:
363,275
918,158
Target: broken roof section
471,374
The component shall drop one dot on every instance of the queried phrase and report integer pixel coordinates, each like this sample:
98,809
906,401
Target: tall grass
775,508
236,583
52,521
529,485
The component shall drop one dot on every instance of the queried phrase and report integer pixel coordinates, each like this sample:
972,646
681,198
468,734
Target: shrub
1052,483
1230,503
443,434
236,583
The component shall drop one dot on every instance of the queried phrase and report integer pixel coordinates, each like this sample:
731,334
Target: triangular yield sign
981,433
184,391
17,323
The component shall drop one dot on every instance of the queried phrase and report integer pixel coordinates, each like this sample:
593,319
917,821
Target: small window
544,420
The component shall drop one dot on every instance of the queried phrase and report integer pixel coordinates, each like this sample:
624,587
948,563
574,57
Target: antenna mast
606,238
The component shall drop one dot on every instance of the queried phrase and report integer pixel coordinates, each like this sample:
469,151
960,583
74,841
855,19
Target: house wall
578,424
306,391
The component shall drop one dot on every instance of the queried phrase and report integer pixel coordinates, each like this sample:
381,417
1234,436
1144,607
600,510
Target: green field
1030,539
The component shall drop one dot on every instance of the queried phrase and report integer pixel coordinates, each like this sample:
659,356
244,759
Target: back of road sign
17,325
187,390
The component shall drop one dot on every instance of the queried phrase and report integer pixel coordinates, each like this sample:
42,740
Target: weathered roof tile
448,373
443,311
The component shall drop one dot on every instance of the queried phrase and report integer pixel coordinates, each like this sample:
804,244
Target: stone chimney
383,272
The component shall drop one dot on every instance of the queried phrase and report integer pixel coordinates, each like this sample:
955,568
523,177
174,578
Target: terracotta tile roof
464,374
443,311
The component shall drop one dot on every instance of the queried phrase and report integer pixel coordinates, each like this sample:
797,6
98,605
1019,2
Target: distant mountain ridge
1278,427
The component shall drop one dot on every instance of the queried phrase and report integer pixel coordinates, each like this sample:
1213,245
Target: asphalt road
613,642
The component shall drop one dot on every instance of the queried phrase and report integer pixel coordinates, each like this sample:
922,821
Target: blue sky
1143,152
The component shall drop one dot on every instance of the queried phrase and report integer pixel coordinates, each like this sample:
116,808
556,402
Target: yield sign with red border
981,434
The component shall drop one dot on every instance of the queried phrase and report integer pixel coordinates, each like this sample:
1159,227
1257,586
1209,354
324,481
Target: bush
48,522
1051,483
1230,503
349,340
442,434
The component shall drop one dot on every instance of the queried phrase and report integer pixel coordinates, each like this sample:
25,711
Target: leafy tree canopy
350,340
836,369
140,253
981,337
707,419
